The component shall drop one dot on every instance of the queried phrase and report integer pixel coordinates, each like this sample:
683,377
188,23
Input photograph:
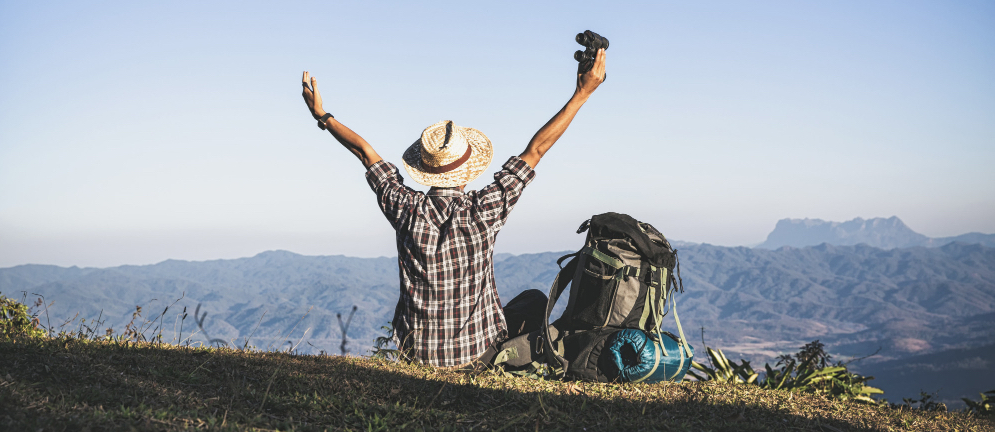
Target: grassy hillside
68,384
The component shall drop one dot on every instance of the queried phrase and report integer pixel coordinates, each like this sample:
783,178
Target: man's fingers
314,83
599,63
304,80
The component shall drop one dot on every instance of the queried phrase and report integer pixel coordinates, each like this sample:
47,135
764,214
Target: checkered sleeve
393,197
495,201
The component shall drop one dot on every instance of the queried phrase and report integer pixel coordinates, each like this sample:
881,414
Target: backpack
621,282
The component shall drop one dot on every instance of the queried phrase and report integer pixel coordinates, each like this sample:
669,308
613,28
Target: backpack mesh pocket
595,292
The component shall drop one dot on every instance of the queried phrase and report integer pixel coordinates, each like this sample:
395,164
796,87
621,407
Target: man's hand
352,141
590,80
312,98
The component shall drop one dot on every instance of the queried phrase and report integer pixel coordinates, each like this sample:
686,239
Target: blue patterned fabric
638,358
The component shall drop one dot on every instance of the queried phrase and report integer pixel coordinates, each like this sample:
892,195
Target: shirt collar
445,192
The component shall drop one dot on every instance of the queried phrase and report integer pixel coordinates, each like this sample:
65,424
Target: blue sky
133,132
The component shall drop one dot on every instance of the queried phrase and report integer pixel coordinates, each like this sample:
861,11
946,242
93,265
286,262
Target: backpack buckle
654,277
628,271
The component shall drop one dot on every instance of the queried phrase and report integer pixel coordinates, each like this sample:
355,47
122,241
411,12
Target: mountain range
878,232
922,311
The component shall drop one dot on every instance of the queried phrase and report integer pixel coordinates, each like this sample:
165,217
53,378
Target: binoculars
592,43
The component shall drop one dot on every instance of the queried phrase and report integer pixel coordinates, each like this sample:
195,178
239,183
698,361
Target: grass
72,384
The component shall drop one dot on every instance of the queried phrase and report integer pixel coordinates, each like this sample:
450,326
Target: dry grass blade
269,384
246,345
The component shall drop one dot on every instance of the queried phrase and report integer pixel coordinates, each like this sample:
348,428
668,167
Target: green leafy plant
809,371
381,346
924,403
984,407
724,370
17,320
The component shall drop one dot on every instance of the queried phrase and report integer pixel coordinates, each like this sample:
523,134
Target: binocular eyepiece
592,43
592,40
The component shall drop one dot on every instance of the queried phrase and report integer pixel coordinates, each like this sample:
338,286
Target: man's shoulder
520,168
382,170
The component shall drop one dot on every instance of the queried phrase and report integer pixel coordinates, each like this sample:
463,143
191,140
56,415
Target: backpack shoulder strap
680,330
559,284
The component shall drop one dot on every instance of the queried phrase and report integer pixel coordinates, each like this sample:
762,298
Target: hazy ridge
885,233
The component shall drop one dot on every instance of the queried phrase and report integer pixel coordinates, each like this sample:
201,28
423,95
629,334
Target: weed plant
16,320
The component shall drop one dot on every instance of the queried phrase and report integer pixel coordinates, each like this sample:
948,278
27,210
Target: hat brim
481,154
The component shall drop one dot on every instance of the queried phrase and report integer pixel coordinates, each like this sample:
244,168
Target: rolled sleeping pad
639,358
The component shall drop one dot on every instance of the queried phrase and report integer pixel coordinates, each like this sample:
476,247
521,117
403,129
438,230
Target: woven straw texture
432,150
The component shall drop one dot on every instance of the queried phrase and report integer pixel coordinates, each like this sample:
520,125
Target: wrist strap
324,118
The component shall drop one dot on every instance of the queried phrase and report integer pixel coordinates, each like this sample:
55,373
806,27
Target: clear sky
133,132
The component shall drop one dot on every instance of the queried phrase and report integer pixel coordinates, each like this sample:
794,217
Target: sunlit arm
554,128
345,136
352,142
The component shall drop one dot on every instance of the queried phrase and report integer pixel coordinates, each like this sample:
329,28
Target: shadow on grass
74,385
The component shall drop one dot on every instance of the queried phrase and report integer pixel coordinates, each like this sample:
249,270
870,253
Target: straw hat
447,155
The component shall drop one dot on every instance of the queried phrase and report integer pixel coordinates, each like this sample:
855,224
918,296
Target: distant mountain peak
884,233
279,253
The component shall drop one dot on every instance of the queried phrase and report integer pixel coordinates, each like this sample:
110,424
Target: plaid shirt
449,311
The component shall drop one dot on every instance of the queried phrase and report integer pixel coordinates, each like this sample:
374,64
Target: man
449,312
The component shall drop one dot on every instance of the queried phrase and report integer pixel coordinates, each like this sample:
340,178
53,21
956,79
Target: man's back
449,310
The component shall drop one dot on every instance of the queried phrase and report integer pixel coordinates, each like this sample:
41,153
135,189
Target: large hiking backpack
621,282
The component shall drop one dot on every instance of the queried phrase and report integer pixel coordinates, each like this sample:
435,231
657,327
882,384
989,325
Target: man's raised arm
554,128
349,139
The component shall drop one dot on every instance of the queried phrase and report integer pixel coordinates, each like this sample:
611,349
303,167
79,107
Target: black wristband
324,118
